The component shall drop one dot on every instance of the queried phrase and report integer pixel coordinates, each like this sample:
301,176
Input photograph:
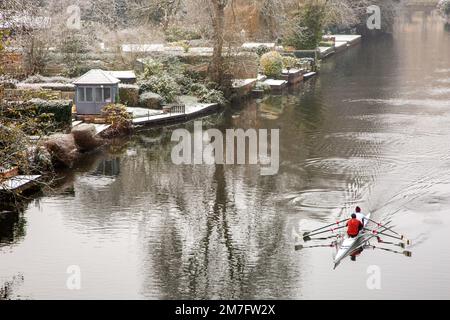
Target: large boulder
63,149
85,136
150,100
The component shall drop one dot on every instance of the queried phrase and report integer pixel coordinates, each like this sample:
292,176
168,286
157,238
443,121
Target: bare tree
159,11
27,24
345,14
218,23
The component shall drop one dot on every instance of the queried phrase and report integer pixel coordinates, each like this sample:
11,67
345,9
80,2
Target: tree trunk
218,22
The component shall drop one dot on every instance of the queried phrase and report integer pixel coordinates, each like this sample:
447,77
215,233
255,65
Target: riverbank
243,88
65,150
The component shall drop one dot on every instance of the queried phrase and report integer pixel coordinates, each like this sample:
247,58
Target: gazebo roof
96,76
128,74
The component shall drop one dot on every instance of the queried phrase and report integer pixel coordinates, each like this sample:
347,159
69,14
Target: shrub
444,7
164,85
13,143
306,27
290,62
152,67
207,95
262,50
129,94
175,34
39,94
185,82
213,96
60,109
195,73
272,64
197,89
183,44
37,117
121,121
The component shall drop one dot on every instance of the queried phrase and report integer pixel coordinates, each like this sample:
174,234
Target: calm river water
373,130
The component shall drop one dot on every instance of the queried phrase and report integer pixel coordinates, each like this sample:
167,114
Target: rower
354,226
356,253
360,216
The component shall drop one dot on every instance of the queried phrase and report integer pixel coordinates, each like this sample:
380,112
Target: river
373,129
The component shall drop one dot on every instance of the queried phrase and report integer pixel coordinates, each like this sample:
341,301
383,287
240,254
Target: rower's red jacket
353,227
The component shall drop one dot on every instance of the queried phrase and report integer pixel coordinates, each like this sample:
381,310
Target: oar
300,246
408,242
324,238
400,244
308,236
386,228
312,231
406,253
382,225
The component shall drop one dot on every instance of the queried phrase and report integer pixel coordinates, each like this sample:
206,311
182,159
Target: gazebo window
107,94
98,95
81,95
89,95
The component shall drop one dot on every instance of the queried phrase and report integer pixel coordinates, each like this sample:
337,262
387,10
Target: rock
63,149
85,137
39,158
150,100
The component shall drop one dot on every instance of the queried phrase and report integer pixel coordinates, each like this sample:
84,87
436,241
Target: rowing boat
349,245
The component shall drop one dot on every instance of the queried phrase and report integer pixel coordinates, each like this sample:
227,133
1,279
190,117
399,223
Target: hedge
61,109
129,94
36,116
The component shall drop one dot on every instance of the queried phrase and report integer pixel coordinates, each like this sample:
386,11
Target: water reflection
210,244
12,228
8,288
